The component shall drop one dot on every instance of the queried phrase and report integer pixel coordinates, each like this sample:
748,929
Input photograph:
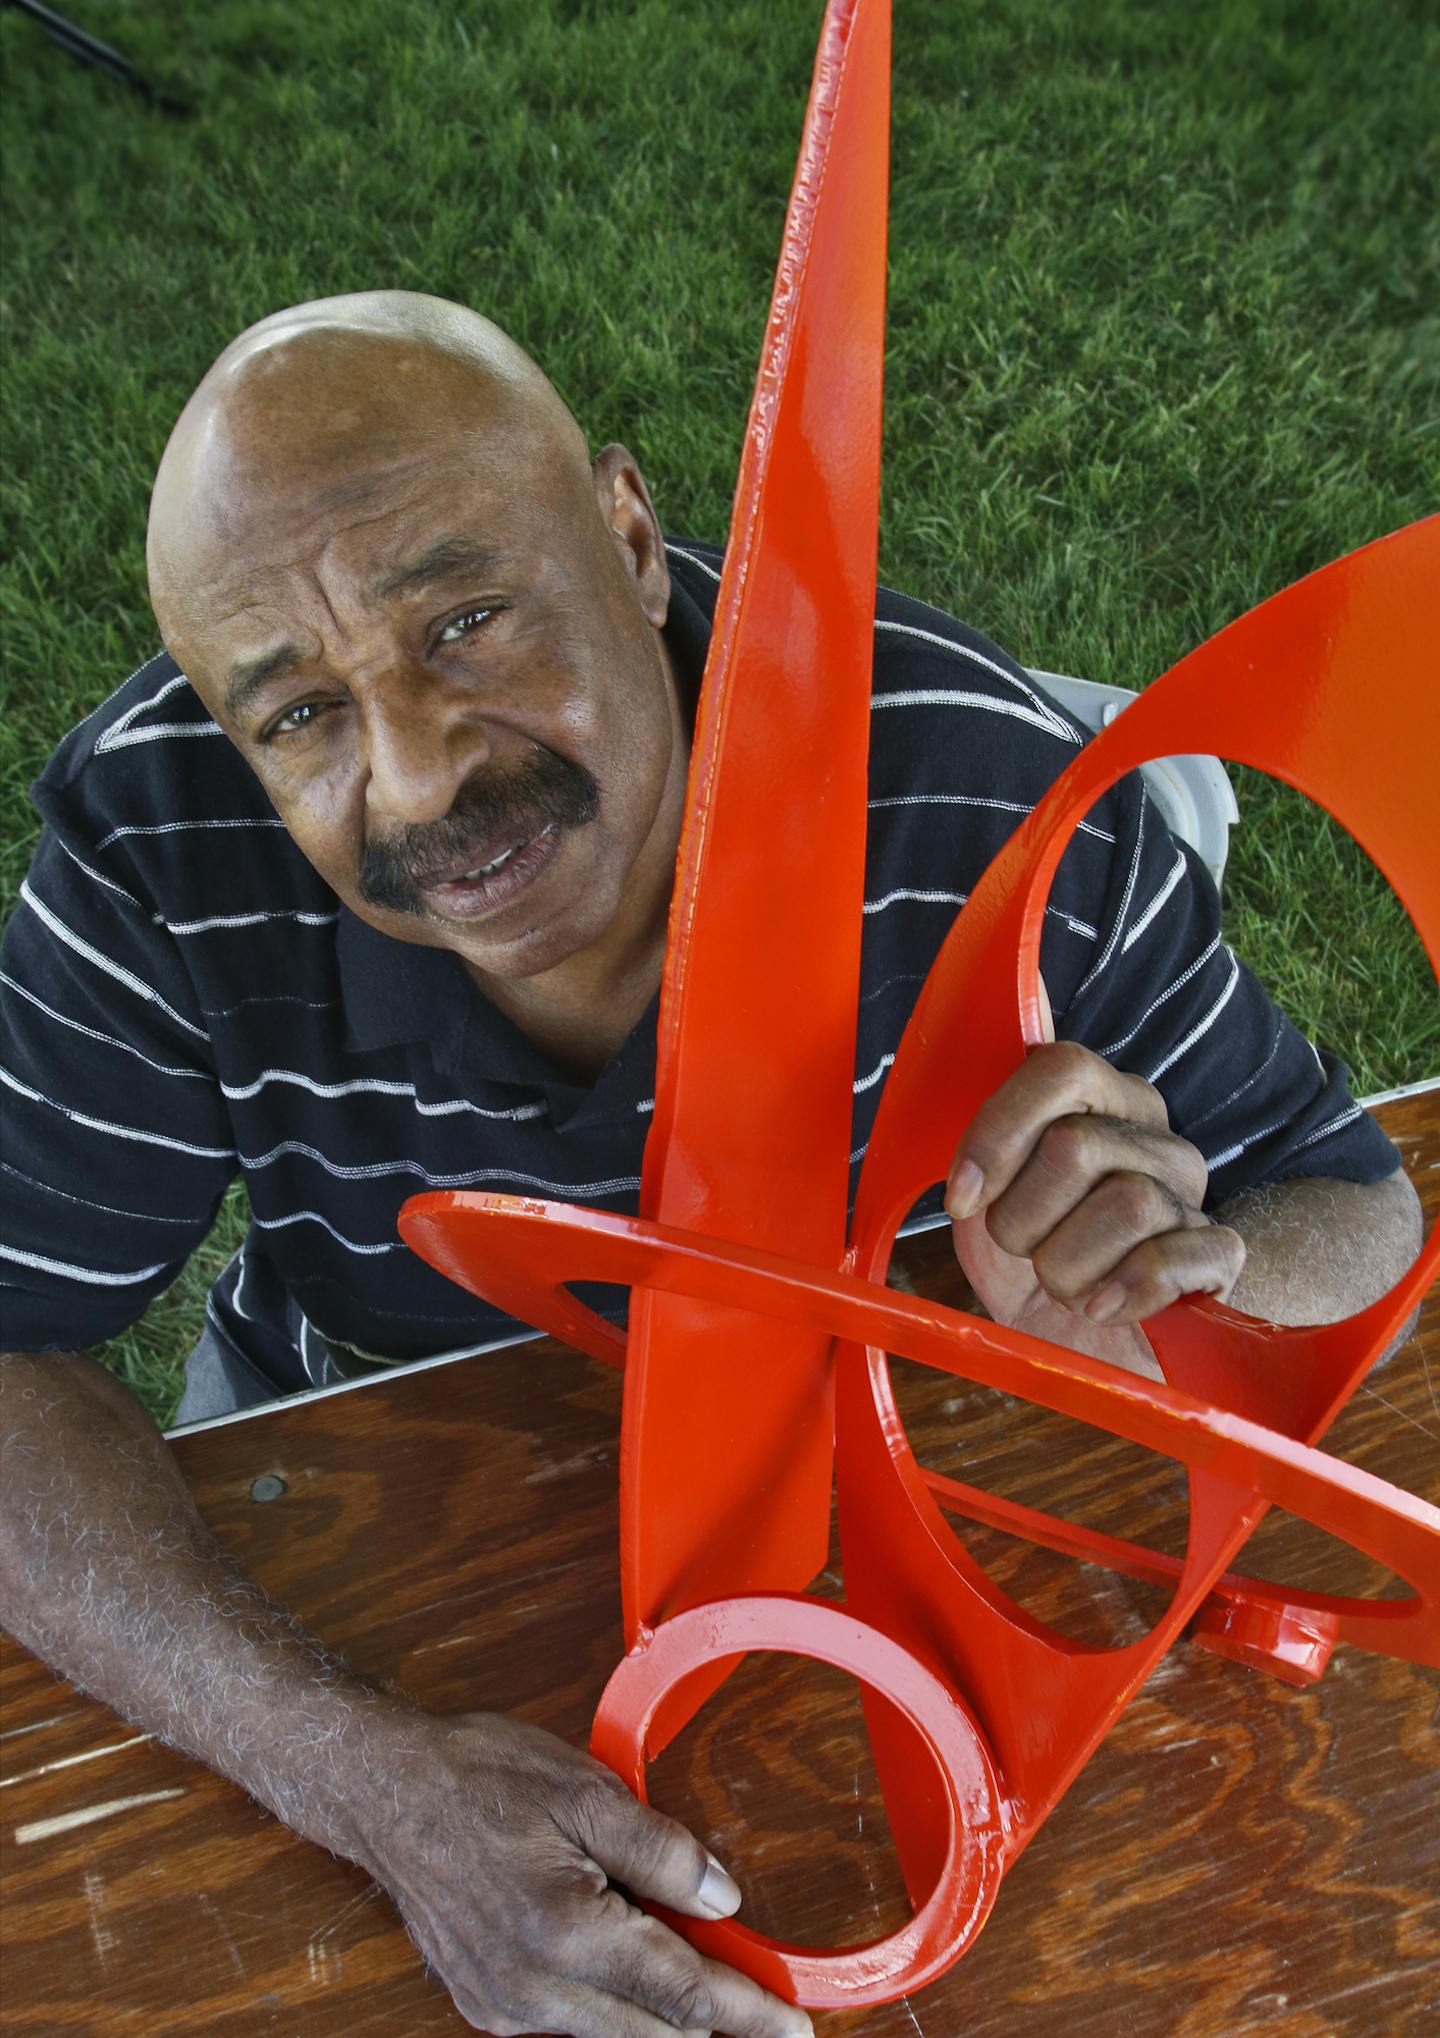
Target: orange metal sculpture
755,1360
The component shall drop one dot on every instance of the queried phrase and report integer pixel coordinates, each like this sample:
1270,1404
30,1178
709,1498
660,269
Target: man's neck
582,1020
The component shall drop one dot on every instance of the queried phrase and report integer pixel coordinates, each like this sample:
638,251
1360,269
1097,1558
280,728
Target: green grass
1163,325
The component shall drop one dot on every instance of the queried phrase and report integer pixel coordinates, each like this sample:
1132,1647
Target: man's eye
294,719
461,625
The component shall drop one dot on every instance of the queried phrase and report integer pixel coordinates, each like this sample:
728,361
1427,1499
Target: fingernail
1109,1302
967,1186
719,1892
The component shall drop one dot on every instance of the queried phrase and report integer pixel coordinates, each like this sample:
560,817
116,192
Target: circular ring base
973,1840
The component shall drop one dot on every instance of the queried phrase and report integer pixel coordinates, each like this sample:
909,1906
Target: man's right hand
510,1856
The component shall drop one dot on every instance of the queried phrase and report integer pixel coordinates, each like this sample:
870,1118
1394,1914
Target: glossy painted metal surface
758,1331
964,1795
728,1427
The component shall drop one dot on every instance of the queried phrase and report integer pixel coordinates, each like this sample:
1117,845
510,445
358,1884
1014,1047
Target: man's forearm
498,1842
1317,1250
111,1577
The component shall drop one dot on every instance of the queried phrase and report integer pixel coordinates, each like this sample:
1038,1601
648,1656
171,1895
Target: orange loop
969,1797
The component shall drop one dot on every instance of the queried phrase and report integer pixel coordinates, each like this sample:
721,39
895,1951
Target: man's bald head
303,410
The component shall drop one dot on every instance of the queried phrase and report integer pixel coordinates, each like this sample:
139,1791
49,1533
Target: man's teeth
488,869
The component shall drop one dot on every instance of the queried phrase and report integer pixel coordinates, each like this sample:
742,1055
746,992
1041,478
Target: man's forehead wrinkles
447,559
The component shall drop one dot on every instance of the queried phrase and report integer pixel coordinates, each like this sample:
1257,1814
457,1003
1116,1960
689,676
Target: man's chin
528,952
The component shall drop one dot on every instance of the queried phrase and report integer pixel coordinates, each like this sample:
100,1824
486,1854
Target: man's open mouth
486,887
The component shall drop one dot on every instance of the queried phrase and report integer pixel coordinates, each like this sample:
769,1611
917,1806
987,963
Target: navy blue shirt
185,999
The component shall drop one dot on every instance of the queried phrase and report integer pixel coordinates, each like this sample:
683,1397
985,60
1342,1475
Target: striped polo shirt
185,999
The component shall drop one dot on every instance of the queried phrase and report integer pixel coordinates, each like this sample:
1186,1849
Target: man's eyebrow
448,558
249,676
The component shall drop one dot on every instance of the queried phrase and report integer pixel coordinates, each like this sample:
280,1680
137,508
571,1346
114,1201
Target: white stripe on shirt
364,1171
1095,968
212,1153
177,827
155,658
115,734
1076,925
113,969
1230,1153
1331,1125
948,697
107,1039
375,1086
1045,716
89,1202
566,1189
314,1217
1050,717
868,1082
1240,1088
1179,984
244,920
1335,1124
1201,1026
100,877
1070,920
923,898
681,553
269,998
975,800
160,732
1177,871
92,1276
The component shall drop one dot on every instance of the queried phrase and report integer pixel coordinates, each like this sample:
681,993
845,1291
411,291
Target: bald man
403,924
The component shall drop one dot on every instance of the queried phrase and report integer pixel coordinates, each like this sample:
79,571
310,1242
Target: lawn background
1164,330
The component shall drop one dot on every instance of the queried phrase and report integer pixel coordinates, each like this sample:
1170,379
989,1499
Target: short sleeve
117,1146
1158,993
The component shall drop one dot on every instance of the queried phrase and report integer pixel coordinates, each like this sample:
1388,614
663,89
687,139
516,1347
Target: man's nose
422,748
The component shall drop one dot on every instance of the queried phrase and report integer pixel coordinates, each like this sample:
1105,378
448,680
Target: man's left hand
1077,1211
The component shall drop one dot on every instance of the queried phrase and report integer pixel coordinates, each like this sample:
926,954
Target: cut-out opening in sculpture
773,1767
1307,906
1288,1555
1020,1486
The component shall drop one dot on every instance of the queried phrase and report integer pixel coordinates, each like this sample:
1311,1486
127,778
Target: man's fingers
626,1976
1059,1080
1202,1262
1102,1158
655,1856
1087,1250
652,1966
647,1963
592,2013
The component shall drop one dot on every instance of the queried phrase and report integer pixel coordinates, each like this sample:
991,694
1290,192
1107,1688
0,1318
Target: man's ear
629,514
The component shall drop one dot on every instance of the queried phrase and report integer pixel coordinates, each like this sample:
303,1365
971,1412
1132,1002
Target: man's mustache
548,788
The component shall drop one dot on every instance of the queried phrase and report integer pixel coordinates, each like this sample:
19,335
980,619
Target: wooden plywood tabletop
1237,1856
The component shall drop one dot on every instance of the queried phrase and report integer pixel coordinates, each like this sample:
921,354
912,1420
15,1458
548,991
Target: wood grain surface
1237,1857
